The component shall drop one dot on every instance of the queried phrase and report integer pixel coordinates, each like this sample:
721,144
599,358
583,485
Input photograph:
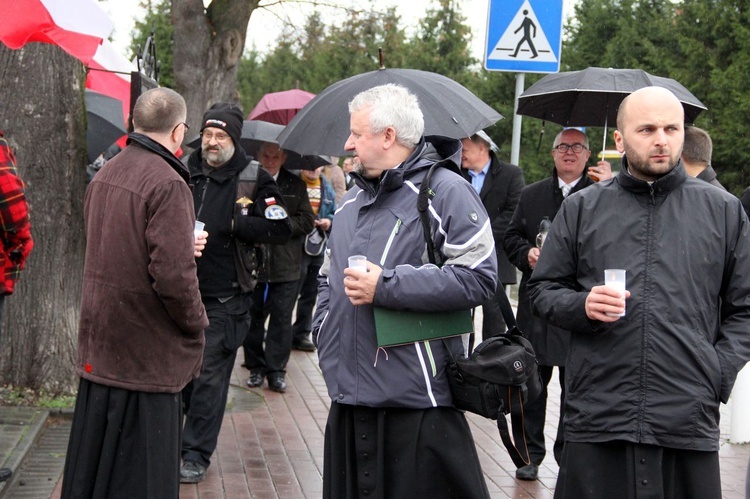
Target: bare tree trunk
208,44
42,116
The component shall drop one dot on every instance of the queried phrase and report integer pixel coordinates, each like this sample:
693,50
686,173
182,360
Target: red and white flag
76,26
109,74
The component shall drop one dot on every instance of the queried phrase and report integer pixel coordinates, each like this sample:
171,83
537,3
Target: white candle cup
615,278
198,228
358,262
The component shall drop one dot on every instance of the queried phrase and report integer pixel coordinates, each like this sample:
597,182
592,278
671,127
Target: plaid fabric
15,230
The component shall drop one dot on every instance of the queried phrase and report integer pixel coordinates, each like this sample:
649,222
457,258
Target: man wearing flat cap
242,208
499,186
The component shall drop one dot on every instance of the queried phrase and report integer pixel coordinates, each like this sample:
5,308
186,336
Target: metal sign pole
515,146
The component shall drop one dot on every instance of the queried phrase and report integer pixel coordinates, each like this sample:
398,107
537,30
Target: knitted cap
226,116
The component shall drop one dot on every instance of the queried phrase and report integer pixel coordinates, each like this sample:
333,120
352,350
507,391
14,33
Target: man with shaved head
647,369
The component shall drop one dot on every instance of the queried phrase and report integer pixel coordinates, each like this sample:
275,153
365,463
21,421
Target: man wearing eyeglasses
141,329
231,217
538,201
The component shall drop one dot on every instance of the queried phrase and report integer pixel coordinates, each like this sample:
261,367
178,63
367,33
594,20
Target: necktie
566,190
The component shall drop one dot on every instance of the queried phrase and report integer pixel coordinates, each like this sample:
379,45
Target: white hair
392,105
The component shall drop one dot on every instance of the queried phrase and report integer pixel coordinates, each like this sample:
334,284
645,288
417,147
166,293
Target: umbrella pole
604,145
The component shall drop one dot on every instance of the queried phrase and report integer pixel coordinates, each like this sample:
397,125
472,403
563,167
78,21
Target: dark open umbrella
105,122
254,133
280,107
591,97
449,109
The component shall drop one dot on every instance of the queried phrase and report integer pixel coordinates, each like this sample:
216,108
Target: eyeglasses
187,127
563,148
220,137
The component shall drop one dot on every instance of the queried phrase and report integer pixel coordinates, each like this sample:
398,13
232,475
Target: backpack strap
516,446
247,257
423,203
247,182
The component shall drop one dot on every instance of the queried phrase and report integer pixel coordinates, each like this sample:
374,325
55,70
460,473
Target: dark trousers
400,453
205,397
492,321
534,417
625,470
308,293
279,303
123,444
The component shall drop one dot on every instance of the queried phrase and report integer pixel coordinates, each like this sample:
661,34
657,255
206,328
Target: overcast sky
265,24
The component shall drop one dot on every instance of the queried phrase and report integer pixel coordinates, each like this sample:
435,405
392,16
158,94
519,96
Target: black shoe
276,383
304,345
255,379
192,472
528,472
5,473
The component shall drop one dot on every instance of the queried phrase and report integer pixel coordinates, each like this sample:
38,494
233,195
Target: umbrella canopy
592,96
254,133
105,122
449,109
280,107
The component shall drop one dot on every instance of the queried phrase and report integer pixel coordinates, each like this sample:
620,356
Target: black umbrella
255,132
449,109
591,97
105,122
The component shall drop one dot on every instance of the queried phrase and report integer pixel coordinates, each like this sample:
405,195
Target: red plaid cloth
15,230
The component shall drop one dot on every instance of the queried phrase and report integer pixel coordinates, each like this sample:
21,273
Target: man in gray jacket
644,382
392,418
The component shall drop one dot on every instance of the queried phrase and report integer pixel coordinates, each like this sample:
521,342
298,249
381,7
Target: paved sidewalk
271,445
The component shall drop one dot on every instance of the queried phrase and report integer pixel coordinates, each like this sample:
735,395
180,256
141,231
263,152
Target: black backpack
501,374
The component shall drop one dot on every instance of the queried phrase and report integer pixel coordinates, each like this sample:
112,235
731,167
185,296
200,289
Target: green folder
398,327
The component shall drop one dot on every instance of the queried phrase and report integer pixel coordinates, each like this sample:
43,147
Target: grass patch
26,397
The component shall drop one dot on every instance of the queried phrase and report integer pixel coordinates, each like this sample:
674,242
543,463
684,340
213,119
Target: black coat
538,200
657,375
214,195
282,262
500,194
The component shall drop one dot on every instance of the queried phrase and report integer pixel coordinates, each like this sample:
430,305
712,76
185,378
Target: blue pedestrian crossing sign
524,36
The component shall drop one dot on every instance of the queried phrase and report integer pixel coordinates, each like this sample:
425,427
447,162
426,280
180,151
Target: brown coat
142,318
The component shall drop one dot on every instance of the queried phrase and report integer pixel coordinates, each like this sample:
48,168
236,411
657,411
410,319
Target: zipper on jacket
203,198
390,241
649,245
651,193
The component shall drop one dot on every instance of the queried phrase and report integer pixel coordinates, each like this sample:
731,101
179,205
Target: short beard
223,156
641,168
360,169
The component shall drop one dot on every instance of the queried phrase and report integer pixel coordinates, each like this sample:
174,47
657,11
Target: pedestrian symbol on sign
524,39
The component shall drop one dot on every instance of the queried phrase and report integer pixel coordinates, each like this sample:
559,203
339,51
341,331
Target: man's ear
618,141
389,137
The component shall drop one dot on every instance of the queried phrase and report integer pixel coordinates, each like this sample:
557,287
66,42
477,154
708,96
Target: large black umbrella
105,122
255,132
449,109
592,96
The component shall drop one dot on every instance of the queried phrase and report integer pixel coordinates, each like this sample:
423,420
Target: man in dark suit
538,201
499,185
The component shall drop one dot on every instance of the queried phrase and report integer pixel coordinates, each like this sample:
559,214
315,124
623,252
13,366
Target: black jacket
500,194
214,194
657,375
538,200
709,175
282,262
